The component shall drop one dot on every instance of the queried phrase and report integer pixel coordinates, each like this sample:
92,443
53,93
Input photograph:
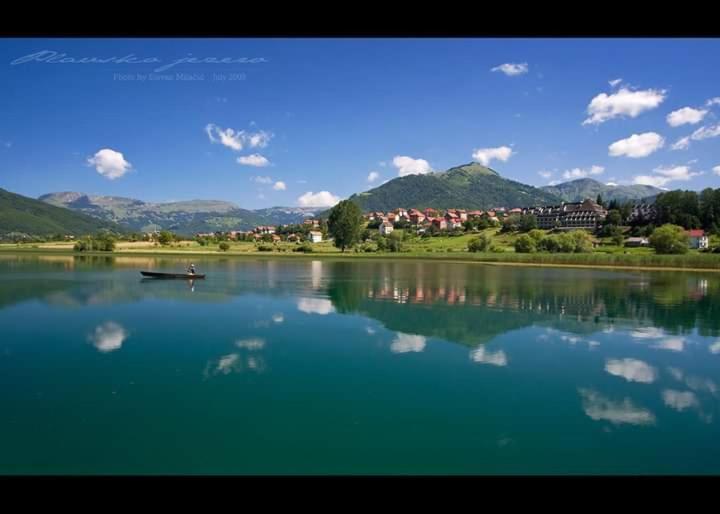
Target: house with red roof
440,223
698,239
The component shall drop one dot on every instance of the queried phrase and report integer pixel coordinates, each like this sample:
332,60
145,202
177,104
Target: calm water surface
309,366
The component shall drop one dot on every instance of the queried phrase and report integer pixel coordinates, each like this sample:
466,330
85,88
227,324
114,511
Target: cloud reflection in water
108,337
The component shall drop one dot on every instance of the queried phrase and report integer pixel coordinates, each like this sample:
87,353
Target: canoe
154,274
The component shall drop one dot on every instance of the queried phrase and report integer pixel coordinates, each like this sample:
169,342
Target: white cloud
647,333
228,137
485,155
699,134
251,344
255,159
674,344
237,139
512,69
278,317
676,373
637,145
665,175
615,82
600,408
583,172
624,102
109,163
545,174
681,144
262,180
716,170
279,186
404,343
319,199
686,116
706,132
320,306
611,184
632,370
373,176
715,347
701,384
258,139
108,337
409,166
713,101
224,365
483,356
679,400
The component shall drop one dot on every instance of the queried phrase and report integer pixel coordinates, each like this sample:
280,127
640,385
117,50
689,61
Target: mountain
287,215
470,186
23,215
187,217
578,190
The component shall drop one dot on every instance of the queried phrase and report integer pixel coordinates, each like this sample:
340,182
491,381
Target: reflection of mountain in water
464,303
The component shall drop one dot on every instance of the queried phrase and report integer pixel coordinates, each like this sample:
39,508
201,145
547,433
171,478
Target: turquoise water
325,367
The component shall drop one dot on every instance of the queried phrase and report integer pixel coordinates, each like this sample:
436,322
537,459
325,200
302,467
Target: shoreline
495,260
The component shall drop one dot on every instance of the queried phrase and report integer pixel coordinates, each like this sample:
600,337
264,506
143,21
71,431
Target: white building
386,228
698,239
314,236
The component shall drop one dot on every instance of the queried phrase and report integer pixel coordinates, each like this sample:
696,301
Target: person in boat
191,269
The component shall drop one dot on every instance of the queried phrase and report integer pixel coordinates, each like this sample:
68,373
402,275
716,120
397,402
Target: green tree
669,239
166,237
528,222
581,241
525,244
599,200
511,223
482,243
224,246
616,235
537,234
394,242
345,224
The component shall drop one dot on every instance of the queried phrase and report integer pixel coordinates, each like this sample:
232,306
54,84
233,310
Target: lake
301,366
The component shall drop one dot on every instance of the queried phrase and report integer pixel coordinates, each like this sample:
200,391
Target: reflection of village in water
458,302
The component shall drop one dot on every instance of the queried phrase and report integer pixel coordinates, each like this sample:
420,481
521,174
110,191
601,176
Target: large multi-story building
642,213
586,214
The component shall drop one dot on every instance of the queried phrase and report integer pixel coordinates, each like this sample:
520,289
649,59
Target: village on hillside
586,215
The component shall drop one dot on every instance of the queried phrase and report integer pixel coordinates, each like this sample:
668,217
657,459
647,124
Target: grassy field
435,248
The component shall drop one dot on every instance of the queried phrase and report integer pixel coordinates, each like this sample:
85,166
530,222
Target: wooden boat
186,276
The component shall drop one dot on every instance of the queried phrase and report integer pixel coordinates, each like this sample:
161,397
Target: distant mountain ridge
470,186
22,215
578,190
184,217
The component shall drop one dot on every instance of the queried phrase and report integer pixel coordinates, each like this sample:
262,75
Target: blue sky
322,114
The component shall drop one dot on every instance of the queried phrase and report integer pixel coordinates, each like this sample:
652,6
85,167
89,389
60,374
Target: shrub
525,244
669,239
101,243
482,243
265,248
166,237
394,243
224,247
537,235
304,248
